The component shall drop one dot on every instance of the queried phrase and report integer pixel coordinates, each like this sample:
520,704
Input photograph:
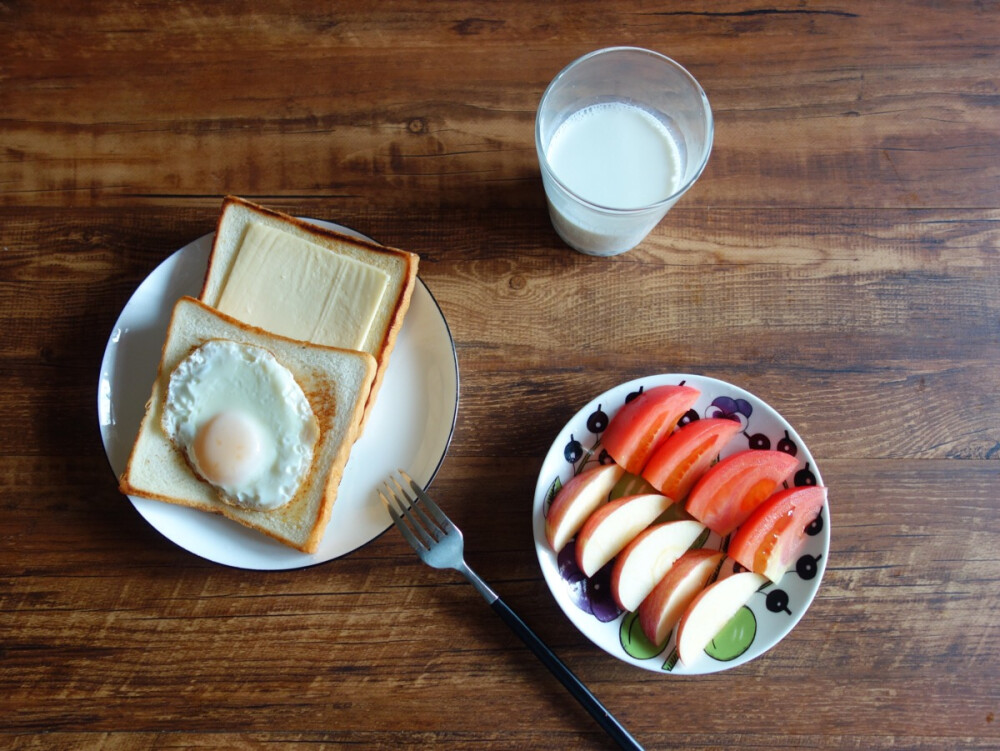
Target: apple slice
613,526
711,610
577,500
661,610
648,557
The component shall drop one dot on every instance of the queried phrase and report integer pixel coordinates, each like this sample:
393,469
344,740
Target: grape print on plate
771,613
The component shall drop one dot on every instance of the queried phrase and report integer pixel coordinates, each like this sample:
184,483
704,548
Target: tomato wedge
774,534
643,423
686,455
729,492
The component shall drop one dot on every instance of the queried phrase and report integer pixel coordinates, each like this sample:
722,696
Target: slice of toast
274,291
336,382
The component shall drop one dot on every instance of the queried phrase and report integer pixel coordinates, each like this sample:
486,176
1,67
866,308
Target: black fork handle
573,684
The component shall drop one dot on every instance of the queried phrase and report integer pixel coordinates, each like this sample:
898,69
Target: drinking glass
621,134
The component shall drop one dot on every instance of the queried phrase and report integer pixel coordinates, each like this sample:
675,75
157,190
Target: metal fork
438,542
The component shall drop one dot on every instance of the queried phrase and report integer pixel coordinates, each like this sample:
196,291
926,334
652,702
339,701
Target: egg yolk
227,449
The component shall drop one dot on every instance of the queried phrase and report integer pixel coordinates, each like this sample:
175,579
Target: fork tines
424,529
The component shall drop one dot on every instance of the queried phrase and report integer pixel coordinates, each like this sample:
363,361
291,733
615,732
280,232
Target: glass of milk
621,134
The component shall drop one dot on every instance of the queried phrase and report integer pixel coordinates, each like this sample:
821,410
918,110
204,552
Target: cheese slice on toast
292,278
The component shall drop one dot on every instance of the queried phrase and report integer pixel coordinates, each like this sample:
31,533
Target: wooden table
839,258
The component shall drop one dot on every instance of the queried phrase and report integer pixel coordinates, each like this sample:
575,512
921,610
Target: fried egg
243,423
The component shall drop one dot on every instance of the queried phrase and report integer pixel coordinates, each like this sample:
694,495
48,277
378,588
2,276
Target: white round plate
409,428
771,613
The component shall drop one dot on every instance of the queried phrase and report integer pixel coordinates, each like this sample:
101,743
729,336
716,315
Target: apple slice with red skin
775,533
577,500
646,559
687,453
729,492
613,526
643,423
711,610
689,575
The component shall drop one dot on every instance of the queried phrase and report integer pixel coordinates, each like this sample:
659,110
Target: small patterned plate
771,613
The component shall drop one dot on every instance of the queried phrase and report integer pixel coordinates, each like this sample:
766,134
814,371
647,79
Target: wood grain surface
839,257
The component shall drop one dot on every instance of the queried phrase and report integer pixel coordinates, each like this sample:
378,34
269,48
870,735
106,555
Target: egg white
225,376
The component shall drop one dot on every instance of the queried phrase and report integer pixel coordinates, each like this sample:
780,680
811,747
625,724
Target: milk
622,160
616,155
621,134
